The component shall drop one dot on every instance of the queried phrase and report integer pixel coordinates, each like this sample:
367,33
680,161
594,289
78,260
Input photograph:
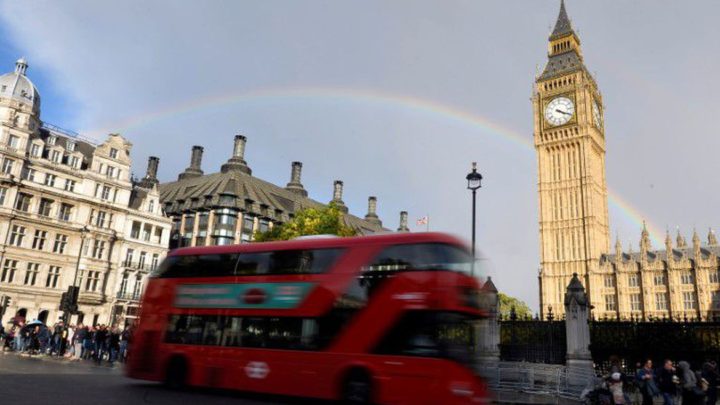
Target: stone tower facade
570,143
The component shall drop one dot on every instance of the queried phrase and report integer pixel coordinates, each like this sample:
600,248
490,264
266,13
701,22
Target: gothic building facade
70,214
569,138
229,206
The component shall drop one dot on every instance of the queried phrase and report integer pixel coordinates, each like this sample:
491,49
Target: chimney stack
371,215
150,178
195,164
337,196
295,185
403,222
237,161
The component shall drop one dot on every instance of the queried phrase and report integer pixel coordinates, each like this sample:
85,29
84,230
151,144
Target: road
44,380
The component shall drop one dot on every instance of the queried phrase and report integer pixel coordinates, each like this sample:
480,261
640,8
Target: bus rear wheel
176,373
357,388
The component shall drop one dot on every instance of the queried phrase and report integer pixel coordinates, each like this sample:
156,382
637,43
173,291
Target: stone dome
17,86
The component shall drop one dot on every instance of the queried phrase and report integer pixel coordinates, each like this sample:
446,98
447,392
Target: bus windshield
422,256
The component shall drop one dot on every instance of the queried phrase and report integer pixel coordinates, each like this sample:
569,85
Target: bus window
252,263
422,256
215,265
431,334
303,261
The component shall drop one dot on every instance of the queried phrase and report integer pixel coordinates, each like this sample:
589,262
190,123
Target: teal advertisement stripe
233,296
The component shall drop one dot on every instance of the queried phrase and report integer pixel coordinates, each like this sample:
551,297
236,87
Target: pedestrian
646,380
100,343
113,344
710,375
667,382
691,393
88,343
77,341
125,338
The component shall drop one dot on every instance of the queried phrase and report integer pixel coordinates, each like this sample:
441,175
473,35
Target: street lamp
474,180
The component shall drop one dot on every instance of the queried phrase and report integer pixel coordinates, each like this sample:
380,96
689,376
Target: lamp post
474,180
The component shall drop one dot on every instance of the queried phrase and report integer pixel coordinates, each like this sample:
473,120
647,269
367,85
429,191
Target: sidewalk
116,367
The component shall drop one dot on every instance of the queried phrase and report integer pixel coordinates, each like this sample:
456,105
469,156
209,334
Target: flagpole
427,223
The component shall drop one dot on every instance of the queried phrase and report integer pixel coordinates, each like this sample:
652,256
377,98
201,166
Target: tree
507,303
327,220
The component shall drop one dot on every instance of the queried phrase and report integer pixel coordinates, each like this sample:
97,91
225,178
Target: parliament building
681,281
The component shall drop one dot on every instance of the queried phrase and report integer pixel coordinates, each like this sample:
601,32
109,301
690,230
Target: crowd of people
675,384
76,342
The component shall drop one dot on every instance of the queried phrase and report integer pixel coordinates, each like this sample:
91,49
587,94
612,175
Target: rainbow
415,104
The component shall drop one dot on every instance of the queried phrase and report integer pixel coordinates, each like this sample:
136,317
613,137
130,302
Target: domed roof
17,86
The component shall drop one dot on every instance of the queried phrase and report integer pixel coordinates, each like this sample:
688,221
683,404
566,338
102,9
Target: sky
394,98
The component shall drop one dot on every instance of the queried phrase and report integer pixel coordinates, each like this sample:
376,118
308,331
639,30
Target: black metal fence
634,341
532,340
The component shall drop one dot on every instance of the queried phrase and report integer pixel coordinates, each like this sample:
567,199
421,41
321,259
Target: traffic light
63,302
69,299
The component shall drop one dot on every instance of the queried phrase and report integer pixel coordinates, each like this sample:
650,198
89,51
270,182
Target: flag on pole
422,221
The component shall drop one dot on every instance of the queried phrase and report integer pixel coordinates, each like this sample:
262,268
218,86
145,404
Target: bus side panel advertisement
251,295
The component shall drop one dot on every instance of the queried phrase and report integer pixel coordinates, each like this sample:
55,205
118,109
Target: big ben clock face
559,111
596,114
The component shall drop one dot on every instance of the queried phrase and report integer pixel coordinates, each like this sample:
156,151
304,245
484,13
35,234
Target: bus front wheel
357,388
176,373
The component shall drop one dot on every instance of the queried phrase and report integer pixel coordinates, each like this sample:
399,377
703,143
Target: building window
3,194
51,140
14,142
264,225
75,162
17,235
39,239
147,231
105,195
110,171
70,146
98,249
29,175
686,277
113,153
56,156
35,150
52,277
100,219
50,179
151,205
633,280
31,273
123,284
60,243
659,279
45,207
141,260
689,300
135,231
7,166
129,257
715,299
65,212
609,281
137,289
610,303
69,185
23,202
635,302
91,283
8,272
155,261
715,276
661,303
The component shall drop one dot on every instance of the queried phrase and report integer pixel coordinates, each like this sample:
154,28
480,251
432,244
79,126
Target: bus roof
316,243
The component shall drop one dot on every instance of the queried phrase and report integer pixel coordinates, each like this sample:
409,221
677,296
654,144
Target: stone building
229,206
69,215
569,138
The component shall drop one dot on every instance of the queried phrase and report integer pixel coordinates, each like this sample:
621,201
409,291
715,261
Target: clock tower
569,137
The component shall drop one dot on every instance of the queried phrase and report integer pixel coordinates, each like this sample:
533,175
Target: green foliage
326,220
507,302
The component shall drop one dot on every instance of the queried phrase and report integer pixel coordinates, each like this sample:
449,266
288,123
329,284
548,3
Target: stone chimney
150,178
371,215
195,164
403,222
237,161
295,184
337,196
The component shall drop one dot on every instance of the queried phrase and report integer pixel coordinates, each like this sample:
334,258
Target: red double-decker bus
383,319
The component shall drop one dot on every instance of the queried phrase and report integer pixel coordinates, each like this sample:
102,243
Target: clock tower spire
569,139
